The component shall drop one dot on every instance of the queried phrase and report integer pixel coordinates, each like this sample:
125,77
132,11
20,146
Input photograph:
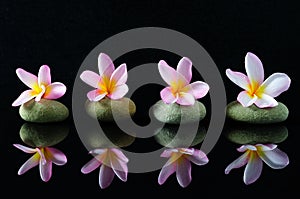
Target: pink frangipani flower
256,90
110,82
254,156
180,162
111,161
40,86
180,90
44,157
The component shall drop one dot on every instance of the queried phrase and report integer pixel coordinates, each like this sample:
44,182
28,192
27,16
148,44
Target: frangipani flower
180,90
44,156
40,87
180,162
254,156
257,91
110,82
111,161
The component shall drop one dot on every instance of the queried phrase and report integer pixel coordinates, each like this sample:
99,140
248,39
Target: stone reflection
42,138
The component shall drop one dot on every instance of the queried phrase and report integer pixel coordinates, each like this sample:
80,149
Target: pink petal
265,101
91,78
27,78
30,163
24,97
238,78
45,170
245,99
184,67
253,169
254,69
166,171
95,95
276,84
120,168
98,151
241,161
276,159
56,156
266,147
199,89
167,96
119,76
90,166
118,92
168,152
55,90
171,76
185,99
183,172
25,148
105,65
246,147
198,158
120,155
106,176
44,76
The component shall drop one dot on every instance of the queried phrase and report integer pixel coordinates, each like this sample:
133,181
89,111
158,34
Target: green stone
176,114
123,108
255,115
110,136
43,111
168,136
261,134
43,135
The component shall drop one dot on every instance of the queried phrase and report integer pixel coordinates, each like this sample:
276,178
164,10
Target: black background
61,34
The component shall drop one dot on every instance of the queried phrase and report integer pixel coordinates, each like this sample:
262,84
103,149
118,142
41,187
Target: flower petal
118,92
119,154
265,101
184,67
246,147
105,65
106,176
56,156
183,172
39,96
90,166
238,78
98,151
198,158
167,96
44,76
245,99
25,148
27,78
199,89
276,159
276,84
91,78
254,69
168,152
45,170
119,167
24,97
55,90
185,99
30,163
119,76
239,162
96,95
265,147
253,168
166,171
171,76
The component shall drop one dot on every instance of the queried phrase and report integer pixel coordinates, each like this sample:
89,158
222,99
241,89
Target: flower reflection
180,162
43,156
111,161
253,158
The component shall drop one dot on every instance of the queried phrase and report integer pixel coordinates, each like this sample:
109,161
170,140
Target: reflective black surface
62,34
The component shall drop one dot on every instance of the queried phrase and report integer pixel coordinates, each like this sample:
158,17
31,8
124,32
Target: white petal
254,69
245,99
105,65
27,78
199,89
265,101
239,162
44,76
119,76
91,78
184,67
24,97
167,96
275,158
119,92
238,78
253,169
276,84
185,99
